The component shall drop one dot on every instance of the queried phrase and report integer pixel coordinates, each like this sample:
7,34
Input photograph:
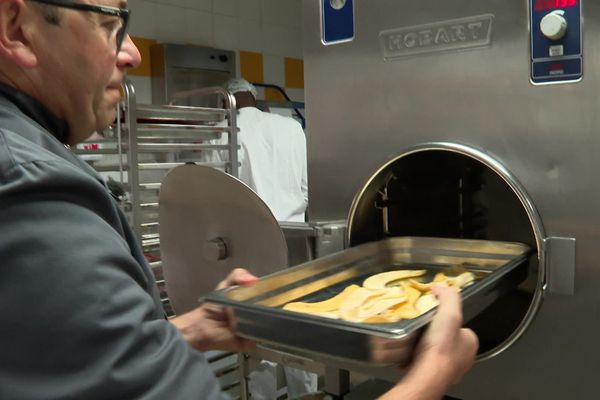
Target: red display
541,5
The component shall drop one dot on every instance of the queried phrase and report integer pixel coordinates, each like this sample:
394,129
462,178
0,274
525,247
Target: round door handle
215,249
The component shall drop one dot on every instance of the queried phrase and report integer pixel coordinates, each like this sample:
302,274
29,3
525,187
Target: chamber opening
442,193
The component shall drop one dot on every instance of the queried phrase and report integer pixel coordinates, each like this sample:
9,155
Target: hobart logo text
455,34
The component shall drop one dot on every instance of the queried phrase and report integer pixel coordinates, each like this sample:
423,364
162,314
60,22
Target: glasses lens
122,31
120,37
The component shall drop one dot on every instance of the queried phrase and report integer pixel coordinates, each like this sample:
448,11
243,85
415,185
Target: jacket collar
36,111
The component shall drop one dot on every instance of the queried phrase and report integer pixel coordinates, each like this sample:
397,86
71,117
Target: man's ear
16,28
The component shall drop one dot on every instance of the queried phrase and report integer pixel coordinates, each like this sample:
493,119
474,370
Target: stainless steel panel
363,111
181,67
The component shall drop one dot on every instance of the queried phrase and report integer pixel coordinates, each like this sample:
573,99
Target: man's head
65,54
244,92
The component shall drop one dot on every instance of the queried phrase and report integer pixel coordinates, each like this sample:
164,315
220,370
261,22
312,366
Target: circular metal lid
209,224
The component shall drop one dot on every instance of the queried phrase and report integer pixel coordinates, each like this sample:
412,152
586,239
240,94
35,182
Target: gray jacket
81,315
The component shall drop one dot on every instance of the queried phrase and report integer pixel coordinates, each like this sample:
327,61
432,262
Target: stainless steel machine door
211,223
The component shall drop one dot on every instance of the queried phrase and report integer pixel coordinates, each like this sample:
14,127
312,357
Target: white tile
142,18
279,40
282,12
250,35
143,88
225,7
237,64
202,5
294,43
295,94
274,70
249,9
199,28
176,3
260,93
172,24
225,30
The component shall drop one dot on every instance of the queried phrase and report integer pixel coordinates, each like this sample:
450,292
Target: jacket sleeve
304,181
78,321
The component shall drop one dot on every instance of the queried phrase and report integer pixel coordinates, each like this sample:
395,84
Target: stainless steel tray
257,308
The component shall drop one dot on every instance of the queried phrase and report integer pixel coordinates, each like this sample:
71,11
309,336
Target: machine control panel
556,41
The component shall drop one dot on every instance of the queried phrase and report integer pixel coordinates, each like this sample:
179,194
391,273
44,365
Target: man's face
79,70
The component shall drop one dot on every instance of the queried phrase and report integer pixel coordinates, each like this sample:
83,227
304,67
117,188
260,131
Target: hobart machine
475,120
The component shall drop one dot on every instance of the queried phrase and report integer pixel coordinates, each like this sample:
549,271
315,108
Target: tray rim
396,330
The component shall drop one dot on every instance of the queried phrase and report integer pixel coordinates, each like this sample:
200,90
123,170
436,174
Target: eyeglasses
121,13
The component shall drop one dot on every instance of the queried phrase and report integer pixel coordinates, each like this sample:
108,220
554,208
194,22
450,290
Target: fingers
449,314
238,276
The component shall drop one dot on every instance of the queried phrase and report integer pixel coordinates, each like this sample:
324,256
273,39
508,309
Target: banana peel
391,278
440,279
367,303
331,305
384,298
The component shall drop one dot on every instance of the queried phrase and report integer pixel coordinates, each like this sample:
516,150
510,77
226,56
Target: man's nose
129,56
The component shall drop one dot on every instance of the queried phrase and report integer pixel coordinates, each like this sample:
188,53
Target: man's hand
211,327
445,340
444,354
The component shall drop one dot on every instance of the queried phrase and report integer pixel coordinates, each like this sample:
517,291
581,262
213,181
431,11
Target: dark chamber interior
441,193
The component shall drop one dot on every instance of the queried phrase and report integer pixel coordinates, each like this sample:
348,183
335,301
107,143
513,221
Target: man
81,317
81,314
272,155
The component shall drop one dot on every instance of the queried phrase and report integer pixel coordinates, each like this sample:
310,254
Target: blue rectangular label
337,23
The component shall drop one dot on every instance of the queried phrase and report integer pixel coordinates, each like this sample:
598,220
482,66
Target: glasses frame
122,13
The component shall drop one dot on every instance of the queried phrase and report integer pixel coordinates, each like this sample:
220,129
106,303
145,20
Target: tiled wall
266,35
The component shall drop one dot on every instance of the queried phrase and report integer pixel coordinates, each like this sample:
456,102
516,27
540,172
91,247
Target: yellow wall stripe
294,73
143,46
273,95
251,66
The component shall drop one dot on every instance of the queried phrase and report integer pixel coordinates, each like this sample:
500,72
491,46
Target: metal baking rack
146,142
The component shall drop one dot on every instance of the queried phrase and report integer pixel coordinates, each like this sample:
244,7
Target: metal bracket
560,262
